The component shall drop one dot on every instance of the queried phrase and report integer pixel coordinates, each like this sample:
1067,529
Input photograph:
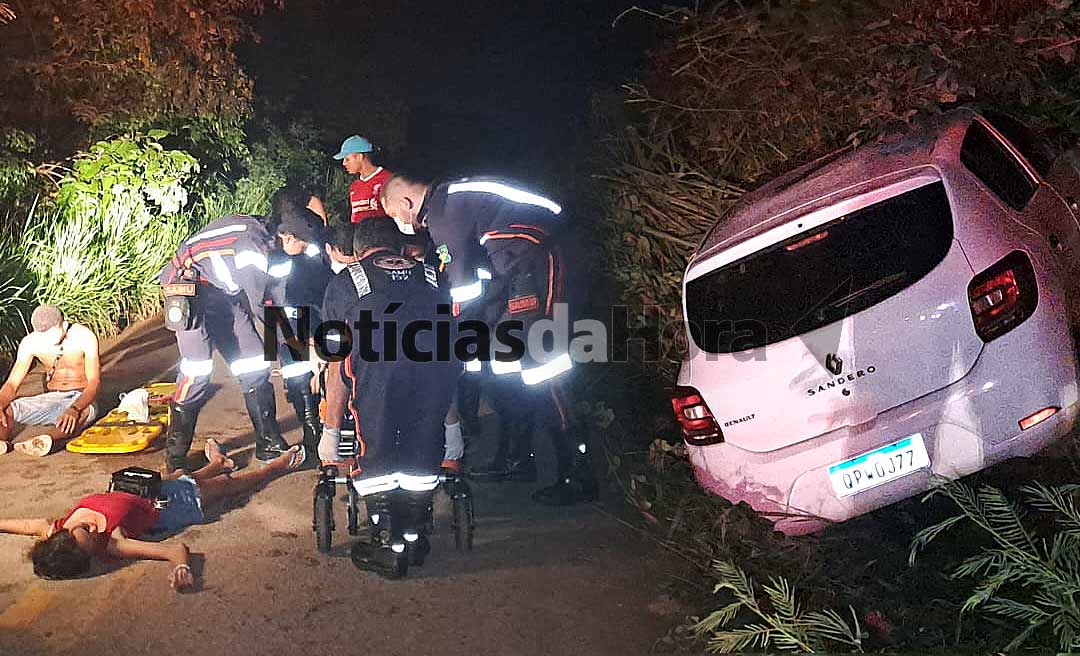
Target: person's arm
177,554
69,420
36,527
10,388
315,204
336,395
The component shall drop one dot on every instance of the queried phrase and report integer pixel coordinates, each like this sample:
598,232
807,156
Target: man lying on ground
69,353
109,524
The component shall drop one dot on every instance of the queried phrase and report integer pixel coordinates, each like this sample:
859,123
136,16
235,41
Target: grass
101,267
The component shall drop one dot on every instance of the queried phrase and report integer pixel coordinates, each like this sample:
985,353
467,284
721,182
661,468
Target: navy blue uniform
398,401
502,247
299,285
227,262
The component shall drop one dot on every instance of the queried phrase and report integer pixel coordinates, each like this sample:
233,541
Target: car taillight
698,425
1003,296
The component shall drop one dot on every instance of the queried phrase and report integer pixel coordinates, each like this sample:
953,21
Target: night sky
482,86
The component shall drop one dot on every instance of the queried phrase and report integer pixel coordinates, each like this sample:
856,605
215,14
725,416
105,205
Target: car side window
992,163
1036,150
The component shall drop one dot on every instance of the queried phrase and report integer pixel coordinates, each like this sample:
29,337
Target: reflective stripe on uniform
507,192
196,368
548,370
418,483
248,365
216,232
467,292
295,369
250,258
374,485
280,270
221,270
473,366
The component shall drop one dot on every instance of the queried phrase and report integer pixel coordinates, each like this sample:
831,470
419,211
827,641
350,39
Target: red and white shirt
364,195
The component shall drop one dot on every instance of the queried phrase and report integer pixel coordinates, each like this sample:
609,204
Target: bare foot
289,460
213,452
35,446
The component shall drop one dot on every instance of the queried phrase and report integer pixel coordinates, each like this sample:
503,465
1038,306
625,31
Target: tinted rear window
821,276
996,167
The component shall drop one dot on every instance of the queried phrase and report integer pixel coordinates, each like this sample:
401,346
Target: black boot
262,408
576,483
416,523
305,404
181,432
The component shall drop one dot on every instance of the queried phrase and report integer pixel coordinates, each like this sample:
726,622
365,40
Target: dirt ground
539,581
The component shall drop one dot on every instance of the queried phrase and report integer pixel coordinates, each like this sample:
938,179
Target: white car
882,314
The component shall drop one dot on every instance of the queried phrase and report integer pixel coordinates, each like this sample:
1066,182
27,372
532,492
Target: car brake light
698,425
1003,296
813,239
1038,417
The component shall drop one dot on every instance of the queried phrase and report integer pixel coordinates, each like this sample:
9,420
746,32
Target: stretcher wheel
324,523
463,522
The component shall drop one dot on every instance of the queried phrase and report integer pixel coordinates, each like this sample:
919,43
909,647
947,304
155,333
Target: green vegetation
779,623
1029,574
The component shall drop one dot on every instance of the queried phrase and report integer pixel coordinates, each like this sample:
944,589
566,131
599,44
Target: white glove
328,444
455,441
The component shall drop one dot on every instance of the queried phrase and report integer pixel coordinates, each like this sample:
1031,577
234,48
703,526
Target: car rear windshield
821,276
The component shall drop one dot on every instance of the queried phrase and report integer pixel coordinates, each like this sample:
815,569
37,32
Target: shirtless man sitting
69,353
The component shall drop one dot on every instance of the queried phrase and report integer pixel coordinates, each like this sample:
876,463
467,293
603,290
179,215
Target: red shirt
132,513
364,195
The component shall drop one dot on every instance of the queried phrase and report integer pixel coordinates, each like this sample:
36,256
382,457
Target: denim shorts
45,409
184,507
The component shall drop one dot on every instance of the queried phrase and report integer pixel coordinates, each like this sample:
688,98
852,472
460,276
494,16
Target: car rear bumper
791,486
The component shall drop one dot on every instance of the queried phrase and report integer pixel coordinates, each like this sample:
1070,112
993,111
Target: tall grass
16,289
100,267
251,195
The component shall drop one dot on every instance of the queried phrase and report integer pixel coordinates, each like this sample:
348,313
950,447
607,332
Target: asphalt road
539,581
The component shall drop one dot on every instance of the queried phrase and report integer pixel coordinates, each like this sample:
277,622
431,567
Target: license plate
879,466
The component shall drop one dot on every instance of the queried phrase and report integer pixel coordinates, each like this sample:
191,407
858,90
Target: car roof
840,173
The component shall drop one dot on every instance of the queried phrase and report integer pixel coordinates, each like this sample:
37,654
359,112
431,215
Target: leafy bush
133,171
116,222
1030,573
779,623
70,66
17,174
280,156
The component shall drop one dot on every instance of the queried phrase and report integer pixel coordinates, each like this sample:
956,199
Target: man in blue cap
355,156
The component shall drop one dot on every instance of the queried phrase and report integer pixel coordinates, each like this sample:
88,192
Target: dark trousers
224,323
399,408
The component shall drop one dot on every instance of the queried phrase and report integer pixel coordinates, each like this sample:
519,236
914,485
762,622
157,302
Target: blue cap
354,144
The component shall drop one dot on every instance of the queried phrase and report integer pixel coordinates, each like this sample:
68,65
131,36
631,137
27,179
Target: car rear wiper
877,284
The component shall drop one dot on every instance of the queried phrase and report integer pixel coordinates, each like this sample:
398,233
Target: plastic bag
136,404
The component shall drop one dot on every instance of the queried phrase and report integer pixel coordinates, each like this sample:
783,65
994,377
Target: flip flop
5,446
36,446
299,456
